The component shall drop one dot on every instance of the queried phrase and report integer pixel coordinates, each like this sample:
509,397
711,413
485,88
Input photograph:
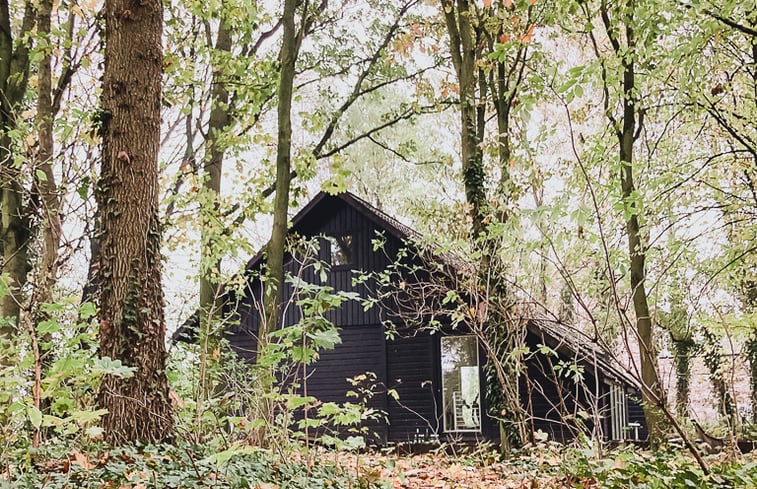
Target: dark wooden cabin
439,377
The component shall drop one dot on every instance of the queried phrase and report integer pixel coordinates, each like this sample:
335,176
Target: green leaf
83,188
52,308
49,420
87,310
226,455
35,416
353,443
328,409
47,327
295,402
83,417
325,339
107,366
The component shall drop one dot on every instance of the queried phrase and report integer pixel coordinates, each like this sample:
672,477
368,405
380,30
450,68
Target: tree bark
14,222
275,250
210,268
463,47
46,186
213,169
468,39
132,325
651,389
682,349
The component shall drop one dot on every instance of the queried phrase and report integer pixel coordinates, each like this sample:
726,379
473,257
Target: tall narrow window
460,383
340,250
618,413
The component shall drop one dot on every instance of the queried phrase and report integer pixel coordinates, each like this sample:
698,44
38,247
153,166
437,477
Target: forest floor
436,471
548,466
552,467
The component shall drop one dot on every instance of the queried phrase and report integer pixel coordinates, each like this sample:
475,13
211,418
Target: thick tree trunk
132,326
46,187
15,235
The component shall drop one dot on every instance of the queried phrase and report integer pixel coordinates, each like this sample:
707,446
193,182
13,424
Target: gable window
461,387
340,250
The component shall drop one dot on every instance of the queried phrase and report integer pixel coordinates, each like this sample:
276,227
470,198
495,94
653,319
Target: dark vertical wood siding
362,350
636,414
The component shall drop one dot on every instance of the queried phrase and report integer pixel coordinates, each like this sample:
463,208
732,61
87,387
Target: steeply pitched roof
381,219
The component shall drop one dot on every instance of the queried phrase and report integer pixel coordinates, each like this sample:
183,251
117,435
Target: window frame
445,423
618,407
335,240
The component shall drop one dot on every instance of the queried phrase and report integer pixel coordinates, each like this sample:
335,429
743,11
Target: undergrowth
194,466
171,466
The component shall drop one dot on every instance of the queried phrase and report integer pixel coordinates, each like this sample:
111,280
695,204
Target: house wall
414,371
333,218
409,363
636,414
411,372
555,400
556,403
363,346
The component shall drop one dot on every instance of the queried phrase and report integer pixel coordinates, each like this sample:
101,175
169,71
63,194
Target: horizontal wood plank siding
362,350
412,370
556,401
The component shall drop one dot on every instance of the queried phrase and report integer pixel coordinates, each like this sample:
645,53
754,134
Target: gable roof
379,218
560,337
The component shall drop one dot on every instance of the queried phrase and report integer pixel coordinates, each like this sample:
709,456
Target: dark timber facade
439,378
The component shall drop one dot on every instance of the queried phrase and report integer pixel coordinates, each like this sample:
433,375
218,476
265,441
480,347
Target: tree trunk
467,40
682,349
46,186
275,250
463,48
213,169
652,394
132,325
14,223
209,335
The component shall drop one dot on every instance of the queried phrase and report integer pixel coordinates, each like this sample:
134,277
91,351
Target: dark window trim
350,255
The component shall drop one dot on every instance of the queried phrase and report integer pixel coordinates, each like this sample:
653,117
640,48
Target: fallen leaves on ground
436,470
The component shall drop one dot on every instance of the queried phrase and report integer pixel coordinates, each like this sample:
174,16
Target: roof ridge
396,223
